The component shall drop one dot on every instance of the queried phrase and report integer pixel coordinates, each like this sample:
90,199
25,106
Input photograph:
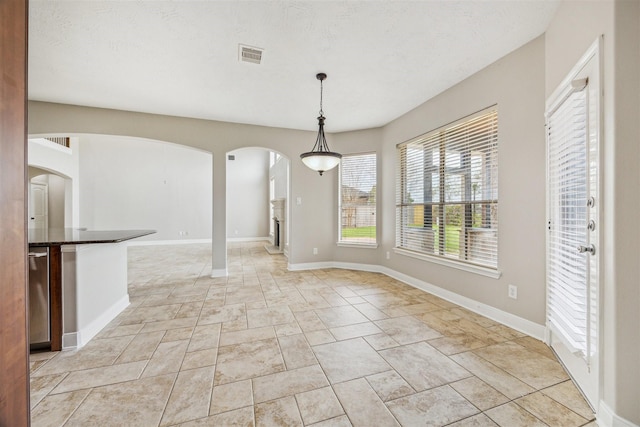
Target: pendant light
320,158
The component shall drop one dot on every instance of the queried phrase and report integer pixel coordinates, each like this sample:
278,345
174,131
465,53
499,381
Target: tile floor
270,347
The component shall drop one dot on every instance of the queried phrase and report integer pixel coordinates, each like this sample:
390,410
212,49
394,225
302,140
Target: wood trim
55,289
14,345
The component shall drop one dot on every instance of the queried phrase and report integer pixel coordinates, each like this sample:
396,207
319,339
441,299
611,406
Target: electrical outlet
235,232
315,251
388,255
513,291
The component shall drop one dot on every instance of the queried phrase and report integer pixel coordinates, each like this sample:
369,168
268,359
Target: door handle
591,249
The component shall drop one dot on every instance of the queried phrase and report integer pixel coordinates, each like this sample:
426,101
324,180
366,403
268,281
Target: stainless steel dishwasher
39,318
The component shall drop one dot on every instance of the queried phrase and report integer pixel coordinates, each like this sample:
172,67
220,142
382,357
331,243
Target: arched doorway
257,197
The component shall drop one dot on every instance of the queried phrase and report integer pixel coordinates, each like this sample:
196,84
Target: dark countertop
77,236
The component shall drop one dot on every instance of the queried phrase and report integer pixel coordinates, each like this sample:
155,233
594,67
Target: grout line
77,407
164,410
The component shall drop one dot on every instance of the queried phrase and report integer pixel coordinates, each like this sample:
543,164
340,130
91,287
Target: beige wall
622,300
516,85
248,193
156,185
576,25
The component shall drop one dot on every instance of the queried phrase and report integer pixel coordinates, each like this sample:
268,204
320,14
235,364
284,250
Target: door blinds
447,191
567,268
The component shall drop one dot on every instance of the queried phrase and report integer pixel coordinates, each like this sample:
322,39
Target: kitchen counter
77,236
88,284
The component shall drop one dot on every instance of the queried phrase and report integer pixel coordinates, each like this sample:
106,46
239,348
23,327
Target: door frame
14,345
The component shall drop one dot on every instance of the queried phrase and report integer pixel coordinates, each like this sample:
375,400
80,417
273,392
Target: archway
257,197
53,167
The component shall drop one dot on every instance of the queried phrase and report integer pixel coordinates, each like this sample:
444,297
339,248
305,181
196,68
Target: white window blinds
358,199
567,269
447,191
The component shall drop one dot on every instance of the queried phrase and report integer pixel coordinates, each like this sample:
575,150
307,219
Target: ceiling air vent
250,54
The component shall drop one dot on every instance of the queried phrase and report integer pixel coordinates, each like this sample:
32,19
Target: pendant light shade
321,158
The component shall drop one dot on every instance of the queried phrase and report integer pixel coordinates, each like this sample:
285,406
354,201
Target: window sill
357,245
476,269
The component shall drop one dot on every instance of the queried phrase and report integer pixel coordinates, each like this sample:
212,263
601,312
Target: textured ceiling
383,58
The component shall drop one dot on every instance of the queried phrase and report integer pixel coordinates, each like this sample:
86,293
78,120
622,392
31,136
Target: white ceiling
383,58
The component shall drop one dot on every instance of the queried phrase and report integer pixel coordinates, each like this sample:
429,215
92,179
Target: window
447,191
273,158
358,199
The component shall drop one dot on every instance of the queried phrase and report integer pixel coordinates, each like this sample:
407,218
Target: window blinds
567,269
447,191
358,198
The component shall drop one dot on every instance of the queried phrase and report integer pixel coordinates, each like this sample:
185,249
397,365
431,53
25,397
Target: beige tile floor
270,347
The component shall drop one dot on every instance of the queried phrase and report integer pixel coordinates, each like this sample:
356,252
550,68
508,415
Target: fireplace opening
276,232
278,242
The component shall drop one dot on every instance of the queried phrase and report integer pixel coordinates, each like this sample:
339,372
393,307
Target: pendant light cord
321,112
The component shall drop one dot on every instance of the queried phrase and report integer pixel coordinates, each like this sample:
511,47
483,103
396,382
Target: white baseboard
220,272
515,322
373,268
248,239
84,335
518,323
166,242
310,266
607,418
69,341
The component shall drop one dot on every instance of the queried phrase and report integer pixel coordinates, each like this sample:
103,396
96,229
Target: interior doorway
47,200
257,197
38,206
